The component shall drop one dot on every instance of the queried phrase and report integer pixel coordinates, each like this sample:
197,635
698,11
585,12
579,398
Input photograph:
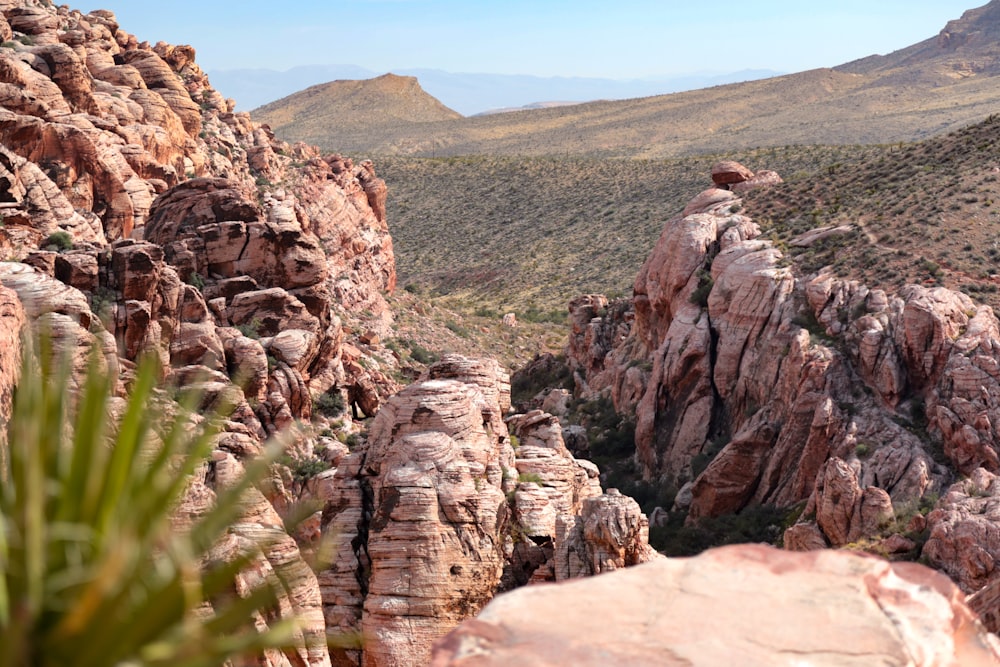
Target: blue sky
619,39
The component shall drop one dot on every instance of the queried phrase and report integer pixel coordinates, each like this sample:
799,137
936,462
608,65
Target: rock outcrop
739,605
964,536
12,325
144,216
185,218
797,389
438,512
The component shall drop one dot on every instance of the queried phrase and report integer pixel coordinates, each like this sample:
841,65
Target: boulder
739,605
728,172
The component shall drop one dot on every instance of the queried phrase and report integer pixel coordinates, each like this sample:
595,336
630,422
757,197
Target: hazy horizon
626,40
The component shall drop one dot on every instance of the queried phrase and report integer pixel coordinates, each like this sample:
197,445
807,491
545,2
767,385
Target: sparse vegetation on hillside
528,234
426,329
926,212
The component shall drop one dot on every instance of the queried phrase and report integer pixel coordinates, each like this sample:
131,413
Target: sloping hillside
925,212
936,86
528,234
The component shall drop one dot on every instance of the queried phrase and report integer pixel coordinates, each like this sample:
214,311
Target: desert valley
708,378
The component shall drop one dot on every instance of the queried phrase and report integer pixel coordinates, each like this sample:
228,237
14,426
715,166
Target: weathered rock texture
146,217
742,605
964,533
799,388
12,326
429,520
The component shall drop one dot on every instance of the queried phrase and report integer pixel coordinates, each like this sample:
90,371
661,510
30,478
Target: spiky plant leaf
93,570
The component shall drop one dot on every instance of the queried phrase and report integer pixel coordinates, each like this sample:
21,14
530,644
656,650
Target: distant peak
980,25
394,81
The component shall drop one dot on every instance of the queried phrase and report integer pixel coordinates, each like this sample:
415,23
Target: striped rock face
439,512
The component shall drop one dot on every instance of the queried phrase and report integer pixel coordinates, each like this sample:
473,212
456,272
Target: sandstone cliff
862,405
142,215
440,511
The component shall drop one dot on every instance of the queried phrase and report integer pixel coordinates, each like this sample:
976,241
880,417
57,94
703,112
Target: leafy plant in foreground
93,571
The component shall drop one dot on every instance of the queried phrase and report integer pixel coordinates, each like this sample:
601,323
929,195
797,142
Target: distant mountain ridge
965,47
938,85
385,101
467,93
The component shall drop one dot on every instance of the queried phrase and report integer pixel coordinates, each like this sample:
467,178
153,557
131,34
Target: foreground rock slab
742,605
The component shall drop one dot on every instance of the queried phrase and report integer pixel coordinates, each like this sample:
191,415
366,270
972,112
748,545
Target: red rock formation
195,236
262,527
801,389
964,539
739,605
116,122
439,512
12,325
727,173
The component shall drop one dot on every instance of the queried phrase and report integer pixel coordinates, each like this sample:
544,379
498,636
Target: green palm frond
94,571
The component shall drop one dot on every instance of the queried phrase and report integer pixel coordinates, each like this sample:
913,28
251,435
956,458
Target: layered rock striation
439,512
142,215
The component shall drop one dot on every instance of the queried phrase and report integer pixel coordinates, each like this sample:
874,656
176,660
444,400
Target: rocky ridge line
859,404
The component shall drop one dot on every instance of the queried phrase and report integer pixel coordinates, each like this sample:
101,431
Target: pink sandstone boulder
728,172
741,605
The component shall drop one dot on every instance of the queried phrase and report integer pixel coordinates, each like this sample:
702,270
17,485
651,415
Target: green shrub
757,523
422,355
250,329
304,469
530,477
699,296
94,570
458,329
196,280
103,303
61,240
330,403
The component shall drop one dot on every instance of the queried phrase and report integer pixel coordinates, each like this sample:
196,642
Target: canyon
144,217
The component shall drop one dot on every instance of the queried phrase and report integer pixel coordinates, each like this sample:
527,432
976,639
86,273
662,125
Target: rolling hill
936,86
354,107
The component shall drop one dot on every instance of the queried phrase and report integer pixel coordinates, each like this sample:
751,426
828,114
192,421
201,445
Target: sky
618,39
